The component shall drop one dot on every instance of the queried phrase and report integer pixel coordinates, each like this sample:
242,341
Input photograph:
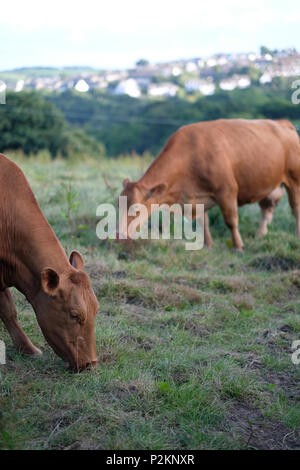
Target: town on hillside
203,75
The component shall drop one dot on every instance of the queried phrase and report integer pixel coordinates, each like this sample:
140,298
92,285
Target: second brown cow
229,163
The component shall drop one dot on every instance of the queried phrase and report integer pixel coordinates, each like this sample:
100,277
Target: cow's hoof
37,353
33,352
261,234
238,250
208,247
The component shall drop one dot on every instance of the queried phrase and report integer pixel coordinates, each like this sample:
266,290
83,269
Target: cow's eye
77,317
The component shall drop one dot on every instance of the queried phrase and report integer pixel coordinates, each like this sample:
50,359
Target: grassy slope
194,347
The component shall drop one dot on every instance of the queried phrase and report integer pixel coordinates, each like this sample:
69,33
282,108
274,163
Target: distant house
268,57
176,71
211,62
265,78
166,70
191,67
206,87
82,86
143,75
115,76
128,87
166,89
40,83
228,84
222,60
243,81
252,57
19,85
96,81
58,85
286,68
236,81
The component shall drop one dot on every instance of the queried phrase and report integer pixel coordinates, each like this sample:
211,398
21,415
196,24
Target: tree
29,123
142,63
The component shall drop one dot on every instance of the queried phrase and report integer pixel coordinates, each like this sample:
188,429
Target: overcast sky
114,33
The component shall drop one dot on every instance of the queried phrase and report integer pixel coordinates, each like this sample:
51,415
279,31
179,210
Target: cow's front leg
229,208
8,315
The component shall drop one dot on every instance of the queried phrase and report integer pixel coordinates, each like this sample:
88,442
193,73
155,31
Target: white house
176,71
243,81
222,60
236,81
191,67
265,78
228,84
19,85
82,86
206,87
268,57
165,89
211,62
252,57
128,87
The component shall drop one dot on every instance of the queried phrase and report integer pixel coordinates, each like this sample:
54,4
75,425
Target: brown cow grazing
33,260
229,163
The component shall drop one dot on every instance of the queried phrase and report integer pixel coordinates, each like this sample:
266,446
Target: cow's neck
160,170
35,247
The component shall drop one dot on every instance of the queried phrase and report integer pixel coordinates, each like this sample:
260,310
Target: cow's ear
125,182
76,260
156,191
50,281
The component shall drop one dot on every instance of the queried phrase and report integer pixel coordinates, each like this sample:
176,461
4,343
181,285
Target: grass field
194,347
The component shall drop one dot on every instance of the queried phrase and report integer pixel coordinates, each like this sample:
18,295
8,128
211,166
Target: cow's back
18,205
253,155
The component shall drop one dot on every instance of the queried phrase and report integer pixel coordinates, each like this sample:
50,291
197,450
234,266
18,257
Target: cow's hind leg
208,242
266,219
8,315
229,207
267,206
293,191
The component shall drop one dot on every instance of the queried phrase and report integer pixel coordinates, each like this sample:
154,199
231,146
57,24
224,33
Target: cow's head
65,308
138,193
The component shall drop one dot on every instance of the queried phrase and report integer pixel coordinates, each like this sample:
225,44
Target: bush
81,144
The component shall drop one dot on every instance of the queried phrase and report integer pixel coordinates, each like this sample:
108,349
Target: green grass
194,347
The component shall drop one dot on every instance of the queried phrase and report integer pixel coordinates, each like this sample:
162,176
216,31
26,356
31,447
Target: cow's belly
258,172
258,184
249,197
208,201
